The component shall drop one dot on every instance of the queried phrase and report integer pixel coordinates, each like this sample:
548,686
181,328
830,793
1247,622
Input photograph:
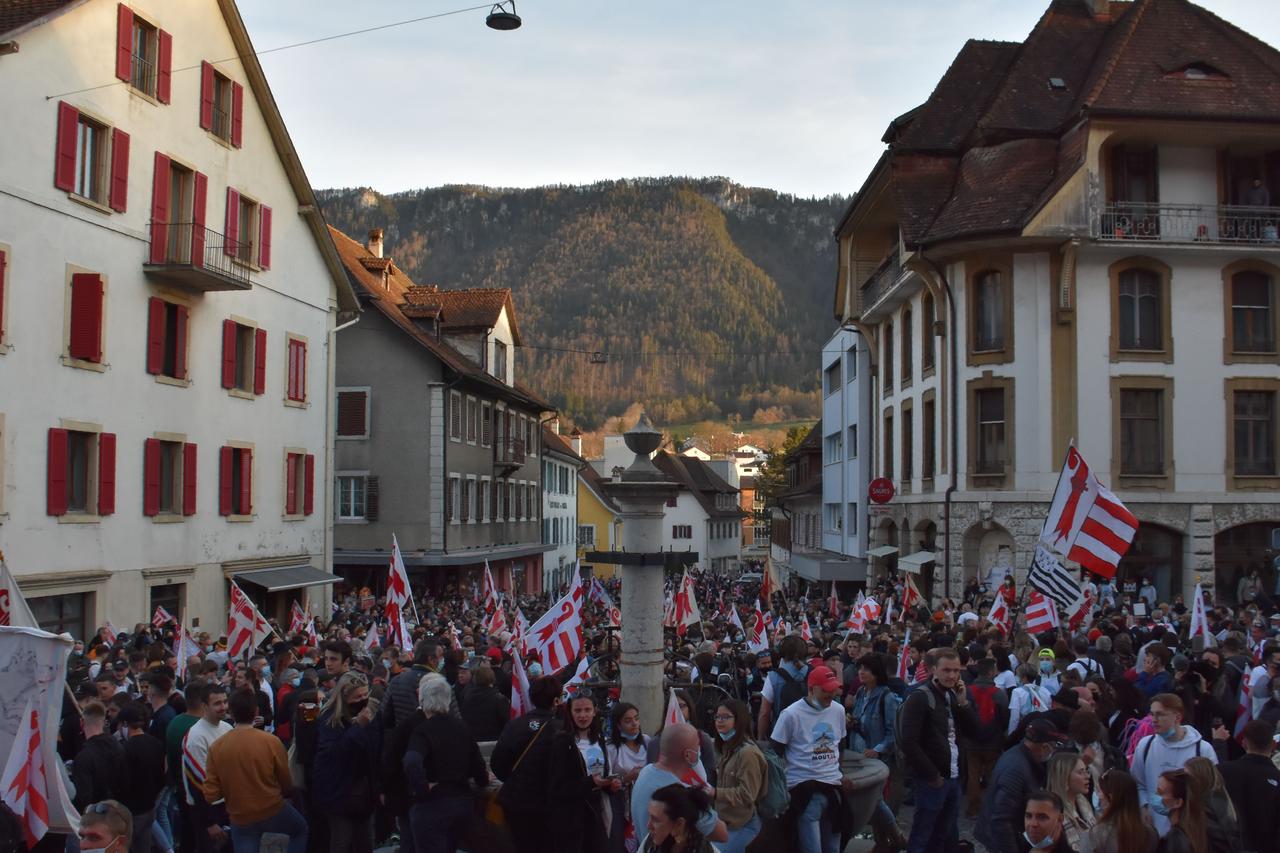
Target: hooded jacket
1154,755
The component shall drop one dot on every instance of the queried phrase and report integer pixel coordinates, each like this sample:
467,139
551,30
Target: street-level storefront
519,569
1155,555
1241,550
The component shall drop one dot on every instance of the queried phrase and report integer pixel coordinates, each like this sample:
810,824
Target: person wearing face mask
678,755
1181,802
105,827
342,782
1047,671
1170,748
742,777
627,751
1121,827
1042,824
1027,698
1020,771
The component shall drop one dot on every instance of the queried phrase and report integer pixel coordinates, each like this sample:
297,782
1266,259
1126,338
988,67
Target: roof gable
17,16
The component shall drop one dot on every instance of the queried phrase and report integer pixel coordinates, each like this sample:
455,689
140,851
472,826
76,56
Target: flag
1199,623
686,605
904,656
520,703
497,618
13,605
910,596
185,649
1041,613
673,714
24,786
833,603
110,633
1001,616
735,620
769,584
245,626
870,609
313,639
297,618
1244,712
371,640
805,633
669,611
455,636
579,675
615,617
857,621
1086,522
1082,611
757,636
399,594
556,638
161,617
888,610
600,595
1052,578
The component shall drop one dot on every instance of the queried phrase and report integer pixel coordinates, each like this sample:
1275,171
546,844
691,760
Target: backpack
790,691
775,799
985,707
899,754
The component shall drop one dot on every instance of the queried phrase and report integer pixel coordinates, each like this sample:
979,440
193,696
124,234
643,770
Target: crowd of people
1118,734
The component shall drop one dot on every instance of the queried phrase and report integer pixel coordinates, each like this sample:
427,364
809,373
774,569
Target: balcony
508,454
1186,223
880,282
191,256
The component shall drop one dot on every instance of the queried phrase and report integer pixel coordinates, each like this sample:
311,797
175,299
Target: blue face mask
631,737
1097,802
1169,735
1046,666
1047,841
727,736
1158,806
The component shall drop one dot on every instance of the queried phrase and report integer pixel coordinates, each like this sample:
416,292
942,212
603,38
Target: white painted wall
686,511
502,332
46,231
1188,176
564,507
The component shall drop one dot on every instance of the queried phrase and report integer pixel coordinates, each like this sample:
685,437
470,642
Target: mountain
707,299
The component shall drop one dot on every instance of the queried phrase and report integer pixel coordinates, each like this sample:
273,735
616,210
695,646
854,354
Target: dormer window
1198,71
500,360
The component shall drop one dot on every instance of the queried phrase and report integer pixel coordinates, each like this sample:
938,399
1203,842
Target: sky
793,95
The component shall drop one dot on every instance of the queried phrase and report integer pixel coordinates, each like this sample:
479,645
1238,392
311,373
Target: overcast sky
774,93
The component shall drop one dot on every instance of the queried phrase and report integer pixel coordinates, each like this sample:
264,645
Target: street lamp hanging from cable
500,19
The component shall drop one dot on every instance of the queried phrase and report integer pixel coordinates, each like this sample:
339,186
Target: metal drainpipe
955,420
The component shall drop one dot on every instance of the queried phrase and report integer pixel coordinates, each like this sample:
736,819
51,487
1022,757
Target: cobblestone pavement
864,845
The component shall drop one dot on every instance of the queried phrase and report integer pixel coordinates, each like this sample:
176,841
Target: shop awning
882,551
913,562
287,577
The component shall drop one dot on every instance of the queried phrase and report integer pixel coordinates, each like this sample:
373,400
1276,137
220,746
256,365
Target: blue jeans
933,827
742,836
287,821
816,828
438,824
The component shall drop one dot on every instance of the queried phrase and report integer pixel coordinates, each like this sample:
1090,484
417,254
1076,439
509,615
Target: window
168,477
235,482
1143,430
886,459
1254,433
455,416
988,315
350,499
908,335
681,531
483,511
908,446
167,325
1140,326
63,614
143,55
831,378
299,480
928,317
500,360
179,196
91,160
509,507
1253,325
296,380
853,519
990,447
248,230
851,364
886,374
928,435
221,105
531,499
468,500
82,472
530,437
852,443
833,517
452,497
472,426
85,323
353,413
519,501
587,535
1134,176
486,425
833,448
244,358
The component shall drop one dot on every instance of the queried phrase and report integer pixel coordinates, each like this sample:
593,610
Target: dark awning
288,577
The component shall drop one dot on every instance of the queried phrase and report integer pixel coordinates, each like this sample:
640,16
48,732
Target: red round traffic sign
881,490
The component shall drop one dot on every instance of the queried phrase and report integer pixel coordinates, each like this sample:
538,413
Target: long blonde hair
1061,765
336,705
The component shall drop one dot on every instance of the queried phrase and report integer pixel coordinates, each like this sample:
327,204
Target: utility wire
645,353
290,46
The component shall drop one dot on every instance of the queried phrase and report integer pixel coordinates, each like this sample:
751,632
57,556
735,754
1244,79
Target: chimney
575,440
375,242
554,425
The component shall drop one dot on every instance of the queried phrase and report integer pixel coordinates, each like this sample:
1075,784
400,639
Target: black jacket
1254,785
525,781
144,756
442,760
394,785
1016,775
924,730
485,710
99,771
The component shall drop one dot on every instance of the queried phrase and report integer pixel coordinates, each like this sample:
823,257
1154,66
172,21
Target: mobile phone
1217,721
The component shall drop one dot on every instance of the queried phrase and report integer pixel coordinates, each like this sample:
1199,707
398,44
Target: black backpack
791,690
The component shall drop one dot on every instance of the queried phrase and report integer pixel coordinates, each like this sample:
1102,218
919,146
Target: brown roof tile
478,308
702,482
945,121
995,187
554,442
16,14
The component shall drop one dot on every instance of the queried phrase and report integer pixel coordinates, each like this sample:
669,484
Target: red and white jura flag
579,675
556,638
520,704
297,618
1199,622
371,640
161,617
1082,610
686,605
757,635
735,620
497,619
245,625
184,649
1086,522
24,787
910,596
673,714
1041,613
833,602
904,657
109,633
888,610
399,597
806,633
1001,616
313,639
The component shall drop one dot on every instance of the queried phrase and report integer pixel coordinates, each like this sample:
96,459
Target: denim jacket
876,711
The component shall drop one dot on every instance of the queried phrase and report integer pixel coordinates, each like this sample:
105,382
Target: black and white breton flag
1052,578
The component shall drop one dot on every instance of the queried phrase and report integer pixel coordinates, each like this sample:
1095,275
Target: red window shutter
292,381
118,199
231,244
160,210
155,335
124,42
151,477
226,458
86,317
260,361
64,154
180,343
164,70
309,483
246,482
106,473
56,500
291,484
228,353
237,113
188,479
199,200
302,367
264,237
206,96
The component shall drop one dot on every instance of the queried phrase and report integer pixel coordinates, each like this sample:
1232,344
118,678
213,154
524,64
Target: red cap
494,654
822,676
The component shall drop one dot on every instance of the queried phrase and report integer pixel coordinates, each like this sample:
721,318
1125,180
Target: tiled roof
16,14
994,188
595,481
946,120
703,483
478,308
387,293
553,442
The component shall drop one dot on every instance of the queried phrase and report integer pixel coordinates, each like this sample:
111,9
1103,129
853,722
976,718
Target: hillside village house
599,520
560,466
1074,238
168,293
437,442
704,517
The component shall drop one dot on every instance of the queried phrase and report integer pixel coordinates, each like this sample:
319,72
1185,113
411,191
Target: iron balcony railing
191,245
509,451
881,280
142,74
1186,223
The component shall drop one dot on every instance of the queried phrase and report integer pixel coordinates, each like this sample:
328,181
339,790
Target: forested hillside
706,299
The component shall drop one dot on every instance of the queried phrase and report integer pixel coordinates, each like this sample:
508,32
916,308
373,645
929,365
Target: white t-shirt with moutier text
813,739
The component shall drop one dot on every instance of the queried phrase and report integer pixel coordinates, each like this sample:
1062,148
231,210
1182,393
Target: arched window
907,336
927,320
1141,326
